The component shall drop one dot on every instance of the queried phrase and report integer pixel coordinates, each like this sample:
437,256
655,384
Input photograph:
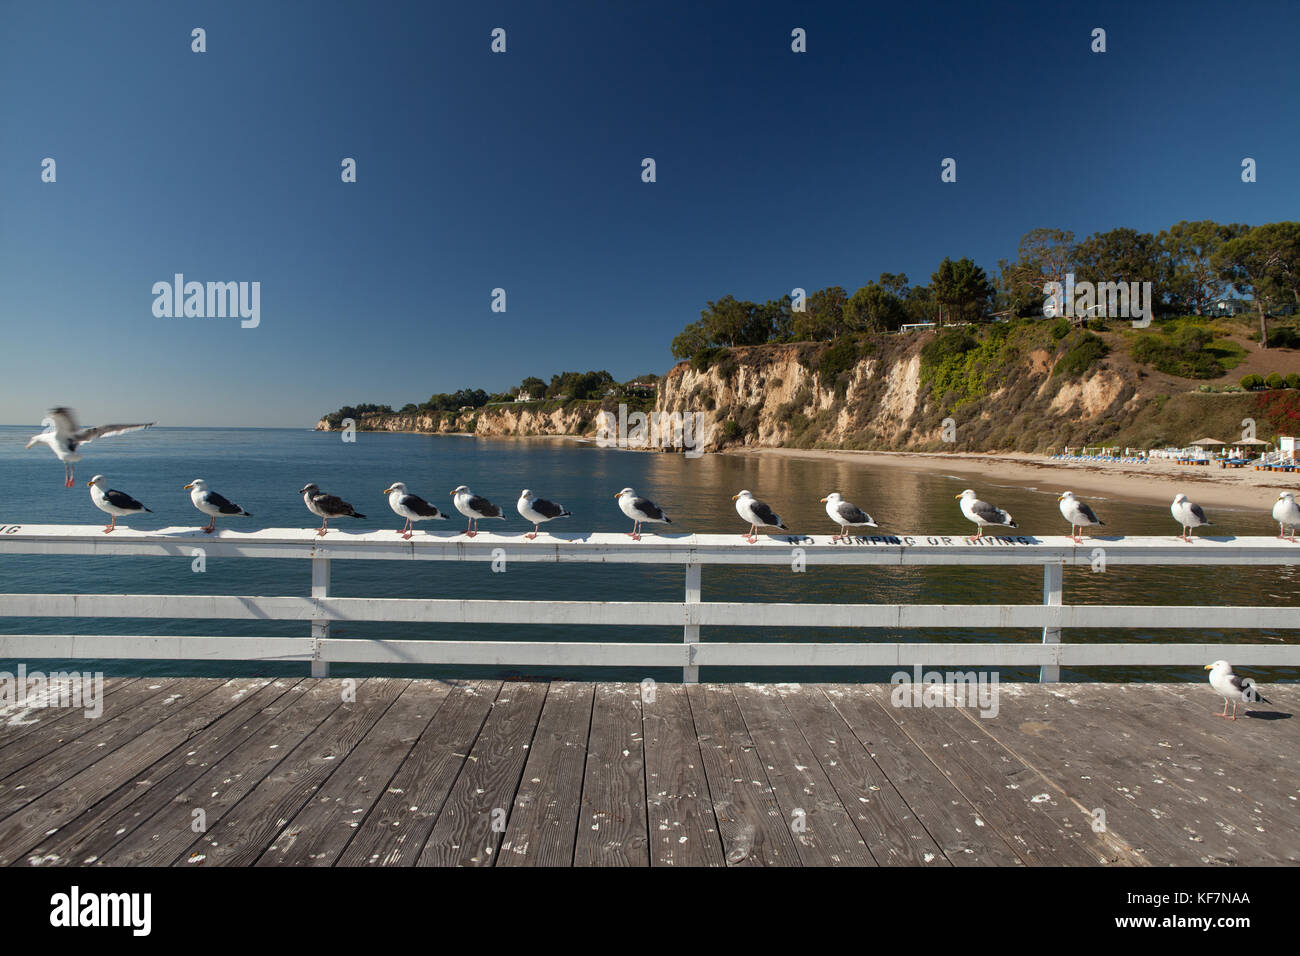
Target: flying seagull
757,513
411,507
982,513
641,511
1077,513
1287,514
846,514
473,507
326,506
1231,687
64,437
537,510
1188,516
211,503
116,503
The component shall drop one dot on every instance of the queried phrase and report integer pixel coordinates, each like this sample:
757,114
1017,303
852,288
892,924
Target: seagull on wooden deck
326,506
1188,515
1287,514
757,513
846,514
983,513
411,507
64,437
1231,687
211,503
641,511
473,507
534,509
1077,513
116,503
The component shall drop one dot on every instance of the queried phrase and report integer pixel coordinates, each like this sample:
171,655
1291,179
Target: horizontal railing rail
692,551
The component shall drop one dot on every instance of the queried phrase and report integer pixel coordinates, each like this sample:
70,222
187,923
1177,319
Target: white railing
691,551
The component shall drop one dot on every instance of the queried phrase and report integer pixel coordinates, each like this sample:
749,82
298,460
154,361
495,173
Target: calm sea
262,470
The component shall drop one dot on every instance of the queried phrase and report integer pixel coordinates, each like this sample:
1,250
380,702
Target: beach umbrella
1207,441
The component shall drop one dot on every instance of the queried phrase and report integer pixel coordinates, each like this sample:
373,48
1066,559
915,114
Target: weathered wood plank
754,830
544,822
946,815
823,831
81,841
475,815
164,836
245,831
612,828
17,721
397,827
891,830
318,834
683,829
190,707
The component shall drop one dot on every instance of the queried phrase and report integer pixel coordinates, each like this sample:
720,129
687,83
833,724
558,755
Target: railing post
1053,585
320,626
691,632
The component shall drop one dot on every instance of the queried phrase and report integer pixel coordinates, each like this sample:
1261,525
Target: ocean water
262,470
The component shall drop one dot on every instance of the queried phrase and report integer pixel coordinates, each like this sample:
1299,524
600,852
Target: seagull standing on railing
1287,514
116,503
411,507
211,503
846,515
1188,515
982,513
757,513
326,507
1078,514
1231,687
641,511
534,509
64,437
473,507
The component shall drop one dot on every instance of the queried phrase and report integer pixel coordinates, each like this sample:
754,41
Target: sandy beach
1156,481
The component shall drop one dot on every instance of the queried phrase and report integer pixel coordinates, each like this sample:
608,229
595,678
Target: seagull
64,437
116,503
640,510
1188,515
473,507
326,506
537,510
411,507
1077,513
211,503
982,513
756,513
1232,687
846,515
1287,514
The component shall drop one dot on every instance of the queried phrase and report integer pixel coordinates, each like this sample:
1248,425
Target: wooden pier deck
206,772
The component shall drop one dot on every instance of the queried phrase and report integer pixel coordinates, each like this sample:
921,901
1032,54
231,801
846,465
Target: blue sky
522,171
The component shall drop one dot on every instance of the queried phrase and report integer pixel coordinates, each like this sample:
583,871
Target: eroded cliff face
786,395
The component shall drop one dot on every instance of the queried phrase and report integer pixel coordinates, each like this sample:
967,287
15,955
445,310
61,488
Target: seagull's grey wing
1235,682
120,499
548,509
420,506
484,507
65,420
333,505
853,514
988,512
1199,514
223,504
648,508
1088,513
763,511
105,431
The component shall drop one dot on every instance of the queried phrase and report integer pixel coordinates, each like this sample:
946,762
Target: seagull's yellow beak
187,488
734,497
1060,497
618,494
824,500
1209,667
387,490
89,483
956,496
